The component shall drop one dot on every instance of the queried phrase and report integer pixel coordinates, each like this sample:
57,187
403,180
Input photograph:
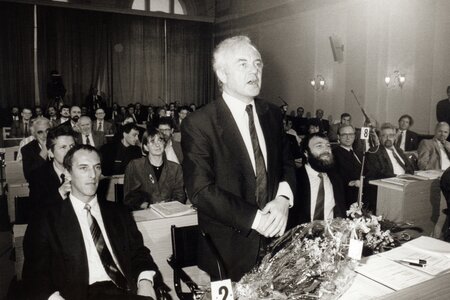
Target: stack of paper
172,209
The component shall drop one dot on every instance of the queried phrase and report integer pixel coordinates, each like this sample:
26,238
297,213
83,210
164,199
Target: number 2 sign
222,290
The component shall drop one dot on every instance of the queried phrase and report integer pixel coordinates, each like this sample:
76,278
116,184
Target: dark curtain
16,55
74,42
137,45
189,50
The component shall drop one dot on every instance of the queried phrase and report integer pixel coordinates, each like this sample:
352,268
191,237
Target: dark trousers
107,290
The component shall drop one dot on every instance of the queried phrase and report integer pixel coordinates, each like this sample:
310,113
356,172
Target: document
390,273
172,209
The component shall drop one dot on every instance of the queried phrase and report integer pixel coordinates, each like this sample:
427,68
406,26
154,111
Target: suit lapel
229,132
387,159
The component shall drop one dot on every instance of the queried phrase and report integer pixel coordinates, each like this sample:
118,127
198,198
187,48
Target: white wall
379,36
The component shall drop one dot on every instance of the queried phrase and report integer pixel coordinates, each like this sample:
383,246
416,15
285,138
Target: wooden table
419,202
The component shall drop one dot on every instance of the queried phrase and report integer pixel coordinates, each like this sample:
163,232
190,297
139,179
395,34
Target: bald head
85,125
441,132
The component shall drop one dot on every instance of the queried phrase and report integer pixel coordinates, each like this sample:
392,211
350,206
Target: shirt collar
311,172
57,171
236,106
347,148
79,205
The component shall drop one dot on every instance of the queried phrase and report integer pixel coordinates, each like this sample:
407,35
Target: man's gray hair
387,126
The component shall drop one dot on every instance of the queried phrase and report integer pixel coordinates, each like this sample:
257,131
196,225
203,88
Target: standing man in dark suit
443,108
22,128
237,165
49,184
407,140
388,160
320,190
35,154
84,248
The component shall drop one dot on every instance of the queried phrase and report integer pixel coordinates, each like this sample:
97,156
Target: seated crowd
143,144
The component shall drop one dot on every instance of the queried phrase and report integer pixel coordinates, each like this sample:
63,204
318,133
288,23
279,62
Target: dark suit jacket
98,137
178,151
220,181
443,111
115,157
169,187
349,169
301,211
55,254
379,165
18,129
44,184
108,127
31,160
411,141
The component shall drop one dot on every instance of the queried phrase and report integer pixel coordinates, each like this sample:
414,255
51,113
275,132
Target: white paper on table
426,243
365,288
436,263
390,273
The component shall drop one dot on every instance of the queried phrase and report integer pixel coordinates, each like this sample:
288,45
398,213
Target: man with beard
75,114
320,190
389,160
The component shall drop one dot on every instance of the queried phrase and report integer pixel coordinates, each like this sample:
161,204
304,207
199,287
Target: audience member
114,113
38,112
324,123
49,184
88,137
388,160
117,155
35,153
22,128
64,115
152,179
227,145
101,125
173,148
85,248
443,108
182,114
434,154
52,116
346,119
151,119
139,113
407,140
14,117
320,191
314,126
130,113
300,122
94,101
348,162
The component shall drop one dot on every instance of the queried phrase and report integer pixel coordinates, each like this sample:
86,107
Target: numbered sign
365,132
355,249
222,290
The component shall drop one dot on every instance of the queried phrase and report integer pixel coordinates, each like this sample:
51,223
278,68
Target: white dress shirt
91,139
445,162
314,182
398,170
170,153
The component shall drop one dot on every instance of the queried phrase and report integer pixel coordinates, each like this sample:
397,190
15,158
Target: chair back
184,245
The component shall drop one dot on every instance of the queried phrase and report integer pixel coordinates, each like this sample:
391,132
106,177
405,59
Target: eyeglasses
347,135
42,131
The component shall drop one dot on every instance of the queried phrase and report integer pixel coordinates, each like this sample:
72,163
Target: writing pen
415,262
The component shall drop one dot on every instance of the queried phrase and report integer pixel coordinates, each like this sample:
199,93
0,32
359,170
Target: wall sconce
395,79
318,83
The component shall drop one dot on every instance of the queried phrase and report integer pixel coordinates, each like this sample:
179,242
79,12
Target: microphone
279,97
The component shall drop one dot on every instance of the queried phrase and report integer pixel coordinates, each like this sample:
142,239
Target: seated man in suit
64,115
300,122
173,148
85,248
34,154
101,125
49,184
388,160
346,119
22,128
153,179
117,155
407,140
434,154
88,137
320,190
324,123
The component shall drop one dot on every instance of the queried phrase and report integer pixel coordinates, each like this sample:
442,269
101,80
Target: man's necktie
62,177
26,129
261,175
400,138
100,126
88,141
320,202
399,160
105,256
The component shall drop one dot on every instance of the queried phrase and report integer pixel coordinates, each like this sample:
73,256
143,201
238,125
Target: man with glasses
101,125
173,148
348,162
22,128
346,119
389,160
34,154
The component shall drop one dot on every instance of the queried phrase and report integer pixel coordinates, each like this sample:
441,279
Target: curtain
189,50
137,46
75,43
16,55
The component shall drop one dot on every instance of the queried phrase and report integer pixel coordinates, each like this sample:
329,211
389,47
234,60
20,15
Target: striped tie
107,260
